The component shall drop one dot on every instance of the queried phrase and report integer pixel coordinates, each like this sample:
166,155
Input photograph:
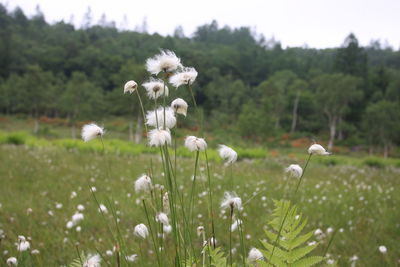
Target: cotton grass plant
169,209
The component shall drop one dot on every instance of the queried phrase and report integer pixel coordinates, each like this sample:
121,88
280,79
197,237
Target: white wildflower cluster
141,231
91,131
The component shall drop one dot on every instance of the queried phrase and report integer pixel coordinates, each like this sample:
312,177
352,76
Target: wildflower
155,118
159,137
22,245
162,218
12,261
179,106
80,207
91,131
167,229
195,144
59,205
143,183
235,225
130,87
318,232
109,253
185,77
155,88
103,208
317,150
329,230
166,202
70,224
35,252
166,61
227,154
294,170
131,258
200,230
255,255
92,261
231,200
141,231
382,249
77,217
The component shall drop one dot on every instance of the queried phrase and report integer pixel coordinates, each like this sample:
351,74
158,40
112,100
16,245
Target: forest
247,84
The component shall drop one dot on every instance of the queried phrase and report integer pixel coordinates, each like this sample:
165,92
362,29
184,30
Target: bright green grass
362,200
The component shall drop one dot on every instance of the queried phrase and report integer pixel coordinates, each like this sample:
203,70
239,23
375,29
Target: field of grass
37,175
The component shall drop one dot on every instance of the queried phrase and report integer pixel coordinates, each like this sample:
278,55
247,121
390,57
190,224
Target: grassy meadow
43,181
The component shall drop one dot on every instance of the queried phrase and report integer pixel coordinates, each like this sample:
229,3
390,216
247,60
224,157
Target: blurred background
277,74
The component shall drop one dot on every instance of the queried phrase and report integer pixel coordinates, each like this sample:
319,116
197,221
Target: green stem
287,212
151,232
210,197
143,114
192,191
230,236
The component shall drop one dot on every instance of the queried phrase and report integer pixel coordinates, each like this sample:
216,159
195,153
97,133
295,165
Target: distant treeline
246,84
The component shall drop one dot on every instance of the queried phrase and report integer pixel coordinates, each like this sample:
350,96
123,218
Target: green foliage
374,162
218,259
287,245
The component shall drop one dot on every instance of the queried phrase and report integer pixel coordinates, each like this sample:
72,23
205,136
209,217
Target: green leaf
308,262
299,253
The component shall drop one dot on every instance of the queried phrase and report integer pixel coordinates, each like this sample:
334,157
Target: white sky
317,23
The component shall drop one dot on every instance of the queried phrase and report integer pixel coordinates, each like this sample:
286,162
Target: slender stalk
330,242
287,212
192,191
230,236
143,114
240,227
151,232
210,197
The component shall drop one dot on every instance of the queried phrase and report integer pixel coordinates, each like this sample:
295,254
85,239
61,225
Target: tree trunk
295,106
332,131
340,133
385,149
139,130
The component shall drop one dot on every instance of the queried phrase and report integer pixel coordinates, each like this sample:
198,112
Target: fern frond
308,262
286,245
299,253
218,258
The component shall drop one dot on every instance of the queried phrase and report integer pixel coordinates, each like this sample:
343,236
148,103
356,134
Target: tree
334,93
382,123
274,91
80,99
296,88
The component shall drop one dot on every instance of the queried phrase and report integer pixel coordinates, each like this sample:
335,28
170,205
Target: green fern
290,250
78,261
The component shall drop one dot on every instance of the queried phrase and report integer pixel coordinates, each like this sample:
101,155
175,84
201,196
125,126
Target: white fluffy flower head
294,170
227,153
231,201
187,76
143,184
159,137
166,61
255,255
130,87
162,218
155,118
194,143
155,88
77,217
141,231
12,261
92,261
179,106
91,131
382,249
317,149
23,245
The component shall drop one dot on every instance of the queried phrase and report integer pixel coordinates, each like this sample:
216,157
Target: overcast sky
317,23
